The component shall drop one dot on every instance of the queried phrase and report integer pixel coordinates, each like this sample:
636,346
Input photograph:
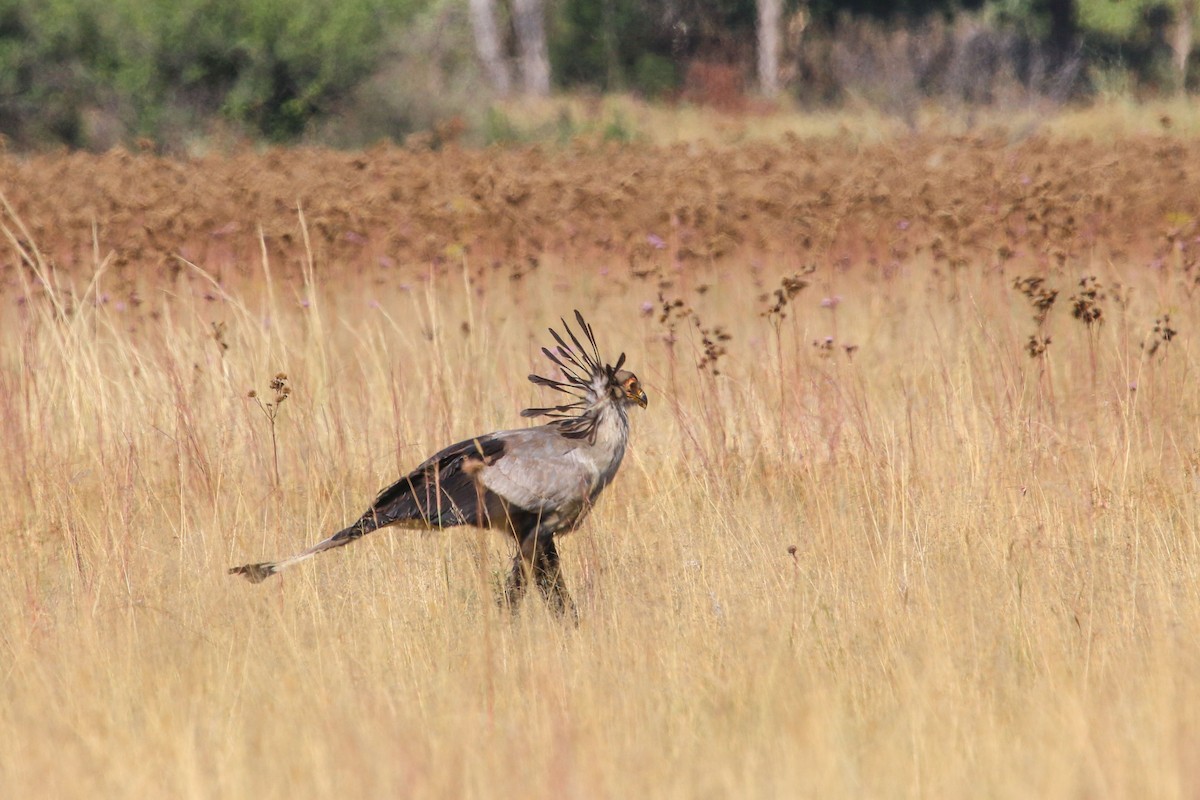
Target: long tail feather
439,493
257,573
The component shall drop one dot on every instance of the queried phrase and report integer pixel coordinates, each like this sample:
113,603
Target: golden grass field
866,546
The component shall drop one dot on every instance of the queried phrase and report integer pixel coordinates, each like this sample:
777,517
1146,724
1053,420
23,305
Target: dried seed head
1162,334
1085,304
1036,346
789,287
1040,297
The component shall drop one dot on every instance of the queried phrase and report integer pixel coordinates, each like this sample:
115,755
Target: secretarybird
534,483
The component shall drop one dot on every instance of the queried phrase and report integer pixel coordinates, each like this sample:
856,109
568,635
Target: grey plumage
534,483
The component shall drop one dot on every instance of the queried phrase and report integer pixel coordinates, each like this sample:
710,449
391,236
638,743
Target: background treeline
93,73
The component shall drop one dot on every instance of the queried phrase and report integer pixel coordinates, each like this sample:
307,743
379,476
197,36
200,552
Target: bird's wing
442,491
541,470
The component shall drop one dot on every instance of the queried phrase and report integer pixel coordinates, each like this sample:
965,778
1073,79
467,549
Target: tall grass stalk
933,569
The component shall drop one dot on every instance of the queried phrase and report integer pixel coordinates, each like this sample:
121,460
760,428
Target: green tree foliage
828,11
640,44
298,56
97,72
272,65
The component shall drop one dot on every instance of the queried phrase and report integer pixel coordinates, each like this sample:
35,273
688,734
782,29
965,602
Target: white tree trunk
529,18
1181,39
487,42
769,14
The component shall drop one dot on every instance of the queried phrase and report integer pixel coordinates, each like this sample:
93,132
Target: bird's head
624,387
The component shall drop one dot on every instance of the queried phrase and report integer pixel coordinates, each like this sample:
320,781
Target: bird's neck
612,428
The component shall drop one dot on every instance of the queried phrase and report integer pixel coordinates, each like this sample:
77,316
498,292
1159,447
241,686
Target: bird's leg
548,574
514,586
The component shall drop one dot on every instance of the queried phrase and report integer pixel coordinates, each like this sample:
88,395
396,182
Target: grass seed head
1085,304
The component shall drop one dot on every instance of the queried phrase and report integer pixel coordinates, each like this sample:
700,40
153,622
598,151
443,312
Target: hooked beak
640,398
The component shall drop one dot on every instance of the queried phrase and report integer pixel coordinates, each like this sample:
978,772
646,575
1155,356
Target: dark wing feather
442,491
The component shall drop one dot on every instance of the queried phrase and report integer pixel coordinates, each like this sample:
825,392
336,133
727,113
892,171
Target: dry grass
660,124
993,588
664,124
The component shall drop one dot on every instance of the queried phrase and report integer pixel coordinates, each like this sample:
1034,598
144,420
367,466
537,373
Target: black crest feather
581,366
